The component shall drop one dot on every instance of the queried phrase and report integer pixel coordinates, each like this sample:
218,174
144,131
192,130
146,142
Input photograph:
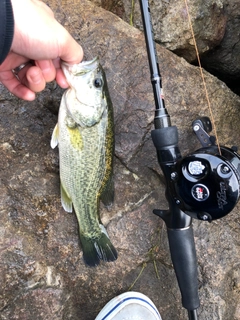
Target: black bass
84,135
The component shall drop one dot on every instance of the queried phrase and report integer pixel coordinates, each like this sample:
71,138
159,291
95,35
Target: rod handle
183,254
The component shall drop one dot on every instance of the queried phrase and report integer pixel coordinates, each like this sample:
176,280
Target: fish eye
98,83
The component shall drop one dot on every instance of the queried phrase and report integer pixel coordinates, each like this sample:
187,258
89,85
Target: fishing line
202,76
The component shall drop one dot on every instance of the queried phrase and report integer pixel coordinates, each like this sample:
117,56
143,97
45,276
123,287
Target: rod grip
183,254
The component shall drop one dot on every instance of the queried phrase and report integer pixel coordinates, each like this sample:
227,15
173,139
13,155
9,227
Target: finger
13,61
69,50
34,79
60,76
61,79
48,69
16,87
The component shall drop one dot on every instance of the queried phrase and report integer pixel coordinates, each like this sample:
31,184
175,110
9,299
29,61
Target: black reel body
208,182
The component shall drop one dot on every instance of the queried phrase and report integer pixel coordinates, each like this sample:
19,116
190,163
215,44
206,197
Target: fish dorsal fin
54,140
107,196
66,200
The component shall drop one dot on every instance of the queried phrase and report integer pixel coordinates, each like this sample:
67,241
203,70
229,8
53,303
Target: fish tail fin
95,250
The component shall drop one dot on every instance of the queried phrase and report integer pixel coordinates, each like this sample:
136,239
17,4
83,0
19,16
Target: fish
84,135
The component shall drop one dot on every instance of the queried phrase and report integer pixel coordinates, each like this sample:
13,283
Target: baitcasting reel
207,181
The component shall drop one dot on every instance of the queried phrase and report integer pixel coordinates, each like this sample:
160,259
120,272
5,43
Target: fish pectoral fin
54,139
107,196
95,250
66,200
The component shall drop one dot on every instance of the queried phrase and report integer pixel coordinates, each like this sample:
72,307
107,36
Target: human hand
40,38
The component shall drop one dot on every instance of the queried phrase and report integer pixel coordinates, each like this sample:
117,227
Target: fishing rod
204,185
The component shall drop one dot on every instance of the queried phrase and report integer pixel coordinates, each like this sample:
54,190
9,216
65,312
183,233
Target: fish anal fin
107,195
66,200
95,250
54,139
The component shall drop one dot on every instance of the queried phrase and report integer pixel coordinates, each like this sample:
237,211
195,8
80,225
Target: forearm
6,28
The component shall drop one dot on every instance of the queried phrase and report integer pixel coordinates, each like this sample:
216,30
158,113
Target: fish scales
86,143
86,175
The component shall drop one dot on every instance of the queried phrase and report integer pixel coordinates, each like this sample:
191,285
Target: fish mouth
90,62
81,68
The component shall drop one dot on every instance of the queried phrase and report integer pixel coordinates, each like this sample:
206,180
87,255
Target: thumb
69,50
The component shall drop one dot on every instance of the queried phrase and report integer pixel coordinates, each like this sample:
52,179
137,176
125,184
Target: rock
215,25
224,60
171,23
42,272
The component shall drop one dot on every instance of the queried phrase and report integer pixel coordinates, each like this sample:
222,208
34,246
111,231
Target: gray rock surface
42,273
224,60
215,25
171,24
